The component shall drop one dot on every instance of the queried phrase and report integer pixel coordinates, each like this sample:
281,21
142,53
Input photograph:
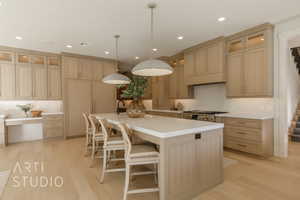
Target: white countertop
162,127
53,113
22,119
169,111
260,116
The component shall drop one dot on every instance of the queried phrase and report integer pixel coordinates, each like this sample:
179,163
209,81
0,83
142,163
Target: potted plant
25,108
135,91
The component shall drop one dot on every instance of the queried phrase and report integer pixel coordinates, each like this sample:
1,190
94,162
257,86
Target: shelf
38,60
235,46
6,57
256,40
23,58
53,60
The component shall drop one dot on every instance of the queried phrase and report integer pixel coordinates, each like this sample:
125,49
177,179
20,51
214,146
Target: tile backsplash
10,107
213,97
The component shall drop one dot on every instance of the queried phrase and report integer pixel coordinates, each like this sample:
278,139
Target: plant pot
136,109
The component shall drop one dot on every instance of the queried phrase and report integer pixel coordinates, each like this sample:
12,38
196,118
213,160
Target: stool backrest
105,131
87,122
93,121
125,131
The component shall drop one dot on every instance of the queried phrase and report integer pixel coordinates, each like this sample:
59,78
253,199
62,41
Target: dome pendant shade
116,79
152,67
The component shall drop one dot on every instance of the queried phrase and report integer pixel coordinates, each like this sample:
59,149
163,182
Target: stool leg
93,150
86,143
104,166
126,181
158,177
155,174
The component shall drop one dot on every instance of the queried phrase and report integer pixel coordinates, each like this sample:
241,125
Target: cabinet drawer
248,123
243,133
53,132
53,123
240,145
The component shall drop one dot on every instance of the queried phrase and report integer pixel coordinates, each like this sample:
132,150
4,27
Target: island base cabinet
190,164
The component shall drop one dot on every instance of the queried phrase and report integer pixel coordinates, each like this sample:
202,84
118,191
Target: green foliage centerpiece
25,108
135,90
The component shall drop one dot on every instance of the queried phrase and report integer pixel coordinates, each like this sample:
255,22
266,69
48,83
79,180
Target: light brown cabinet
148,90
249,63
39,81
160,93
205,63
7,80
24,81
84,91
249,135
28,75
177,87
54,82
53,126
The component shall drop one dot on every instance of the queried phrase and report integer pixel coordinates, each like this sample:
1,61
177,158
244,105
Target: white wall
27,132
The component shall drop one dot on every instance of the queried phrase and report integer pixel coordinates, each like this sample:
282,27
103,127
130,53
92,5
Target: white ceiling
49,25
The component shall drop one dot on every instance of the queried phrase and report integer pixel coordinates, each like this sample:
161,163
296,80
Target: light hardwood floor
251,178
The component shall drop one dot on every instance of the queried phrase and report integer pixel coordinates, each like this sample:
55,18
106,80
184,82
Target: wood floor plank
251,178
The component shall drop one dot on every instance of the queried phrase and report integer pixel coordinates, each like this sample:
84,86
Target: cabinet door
255,72
85,69
24,81
215,58
109,68
189,62
183,91
98,70
104,97
148,90
200,68
54,82
173,84
79,98
71,66
235,75
155,92
8,78
39,81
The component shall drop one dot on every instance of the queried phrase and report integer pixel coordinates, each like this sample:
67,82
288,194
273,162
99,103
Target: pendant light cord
117,52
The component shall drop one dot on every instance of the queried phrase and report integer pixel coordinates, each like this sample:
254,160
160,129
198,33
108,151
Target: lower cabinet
249,135
53,126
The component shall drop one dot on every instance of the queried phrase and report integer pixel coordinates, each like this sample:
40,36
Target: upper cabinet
39,75
54,78
7,75
249,63
28,75
205,63
177,87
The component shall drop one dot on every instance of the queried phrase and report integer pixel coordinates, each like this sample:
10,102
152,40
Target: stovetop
204,112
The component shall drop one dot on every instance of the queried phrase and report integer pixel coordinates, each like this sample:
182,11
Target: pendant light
152,67
116,78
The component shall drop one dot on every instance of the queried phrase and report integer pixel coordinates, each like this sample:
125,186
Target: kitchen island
191,152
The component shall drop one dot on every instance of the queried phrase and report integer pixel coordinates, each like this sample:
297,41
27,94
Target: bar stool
97,137
111,144
138,155
88,133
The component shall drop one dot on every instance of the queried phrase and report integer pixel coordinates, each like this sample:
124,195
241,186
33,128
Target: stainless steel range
202,115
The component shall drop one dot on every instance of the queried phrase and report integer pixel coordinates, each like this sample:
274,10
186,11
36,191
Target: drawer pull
242,145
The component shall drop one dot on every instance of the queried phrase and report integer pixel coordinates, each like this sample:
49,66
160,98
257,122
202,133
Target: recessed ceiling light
180,37
83,44
69,46
137,57
106,52
221,19
154,49
19,38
